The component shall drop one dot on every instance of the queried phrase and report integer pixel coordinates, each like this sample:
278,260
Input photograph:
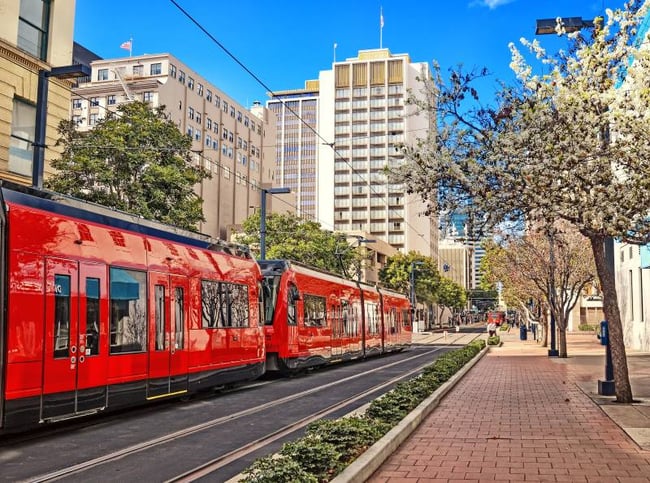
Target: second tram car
314,318
101,310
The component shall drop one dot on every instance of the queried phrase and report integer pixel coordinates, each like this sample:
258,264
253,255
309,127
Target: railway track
269,415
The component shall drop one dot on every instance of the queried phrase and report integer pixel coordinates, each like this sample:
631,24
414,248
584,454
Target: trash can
523,333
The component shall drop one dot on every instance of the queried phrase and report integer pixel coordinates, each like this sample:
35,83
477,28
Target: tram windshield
271,286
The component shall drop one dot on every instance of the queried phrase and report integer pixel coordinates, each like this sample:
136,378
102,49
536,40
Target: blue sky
287,42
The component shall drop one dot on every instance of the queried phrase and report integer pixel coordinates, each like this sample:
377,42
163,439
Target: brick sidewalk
514,418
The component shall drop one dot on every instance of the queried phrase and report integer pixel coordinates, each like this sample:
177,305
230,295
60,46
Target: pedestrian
492,329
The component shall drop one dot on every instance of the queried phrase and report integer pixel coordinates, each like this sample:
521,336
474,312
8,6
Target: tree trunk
562,352
613,316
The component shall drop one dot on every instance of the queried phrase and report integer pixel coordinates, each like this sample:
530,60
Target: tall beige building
34,35
236,144
363,111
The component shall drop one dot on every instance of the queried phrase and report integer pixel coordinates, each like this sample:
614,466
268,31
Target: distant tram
313,318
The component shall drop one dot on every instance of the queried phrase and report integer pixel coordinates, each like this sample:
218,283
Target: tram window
314,311
345,307
292,318
61,316
179,317
128,311
92,316
271,286
224,304
159,316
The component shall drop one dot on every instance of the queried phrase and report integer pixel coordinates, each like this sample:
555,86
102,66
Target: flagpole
335,45
131,47
381,25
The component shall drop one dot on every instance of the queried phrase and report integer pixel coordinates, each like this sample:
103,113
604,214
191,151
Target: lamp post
265,191
547,26
63,72
412,285
360,240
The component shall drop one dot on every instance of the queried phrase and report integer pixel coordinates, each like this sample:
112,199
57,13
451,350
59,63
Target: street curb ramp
361,469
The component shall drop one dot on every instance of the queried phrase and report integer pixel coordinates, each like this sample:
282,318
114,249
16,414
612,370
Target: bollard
606,387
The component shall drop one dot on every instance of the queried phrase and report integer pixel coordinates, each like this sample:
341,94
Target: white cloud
491,4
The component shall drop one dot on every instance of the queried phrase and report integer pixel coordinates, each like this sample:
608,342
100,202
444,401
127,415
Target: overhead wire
286,106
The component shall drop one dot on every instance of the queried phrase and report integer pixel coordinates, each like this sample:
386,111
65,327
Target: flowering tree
568,144
524,261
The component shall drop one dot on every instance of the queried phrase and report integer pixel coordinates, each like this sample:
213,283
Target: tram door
168,359
75,352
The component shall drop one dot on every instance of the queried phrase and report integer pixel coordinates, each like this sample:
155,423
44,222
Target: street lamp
265,191
412,282
360,240
63,72
547,26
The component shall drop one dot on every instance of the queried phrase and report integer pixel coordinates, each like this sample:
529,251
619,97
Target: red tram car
101,310
314,318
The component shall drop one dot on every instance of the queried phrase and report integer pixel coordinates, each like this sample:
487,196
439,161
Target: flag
126,45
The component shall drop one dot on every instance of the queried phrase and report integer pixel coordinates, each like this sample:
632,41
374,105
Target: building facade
35,35
363,112
234,143
297,143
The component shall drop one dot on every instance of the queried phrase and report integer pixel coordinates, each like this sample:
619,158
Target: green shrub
320,458
350,435
494,340
330,445
588,328
277,469
504,327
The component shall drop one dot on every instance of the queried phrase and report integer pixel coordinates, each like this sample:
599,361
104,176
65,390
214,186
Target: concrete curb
365,465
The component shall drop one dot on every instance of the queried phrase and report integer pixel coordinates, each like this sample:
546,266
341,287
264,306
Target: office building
34,36
234,143
363,111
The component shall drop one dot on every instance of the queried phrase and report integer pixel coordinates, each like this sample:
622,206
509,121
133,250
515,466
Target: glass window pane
92,316
179,317
159,316
61,316
128,311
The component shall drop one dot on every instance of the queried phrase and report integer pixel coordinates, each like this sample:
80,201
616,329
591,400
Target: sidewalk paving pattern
519,415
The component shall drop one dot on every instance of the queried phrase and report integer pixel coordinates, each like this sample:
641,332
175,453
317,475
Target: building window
147,96
225,106
217,101
190,131
246,122
190,83
208,140
181,77
33,24
239,116
92,119
198,118
94,101
76,103
208,95
190,113
76,119
102,74
232,112
138,70
172,70
110,100
156,68
208,123
199,89
21,151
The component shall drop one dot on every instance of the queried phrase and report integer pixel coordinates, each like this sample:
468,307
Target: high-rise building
337,136
363,111
297,143
34,36
236,144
